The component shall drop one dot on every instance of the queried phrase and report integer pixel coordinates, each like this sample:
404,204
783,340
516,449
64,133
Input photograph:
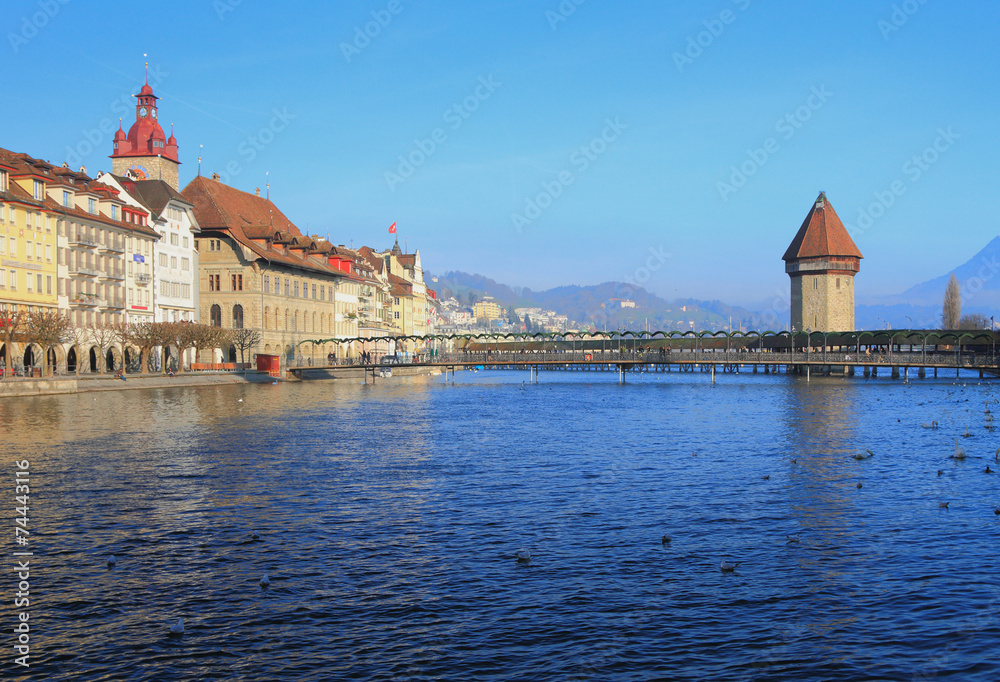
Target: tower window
838,282
815,282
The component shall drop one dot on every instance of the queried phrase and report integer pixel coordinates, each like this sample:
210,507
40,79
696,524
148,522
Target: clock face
139,172
153,111
143,111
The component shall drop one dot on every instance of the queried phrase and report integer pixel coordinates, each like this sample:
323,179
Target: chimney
257,191
215,176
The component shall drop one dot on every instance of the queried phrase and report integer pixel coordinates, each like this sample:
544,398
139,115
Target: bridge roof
821,235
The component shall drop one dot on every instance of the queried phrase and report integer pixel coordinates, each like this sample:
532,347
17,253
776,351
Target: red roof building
822,261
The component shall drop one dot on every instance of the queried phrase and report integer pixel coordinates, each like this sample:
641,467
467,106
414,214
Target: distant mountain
979,277
598,305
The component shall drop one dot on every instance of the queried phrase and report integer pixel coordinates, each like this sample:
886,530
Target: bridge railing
914,358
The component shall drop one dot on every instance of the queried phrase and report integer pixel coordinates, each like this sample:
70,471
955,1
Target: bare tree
12,323
974,321
143,335
245,340
47,329
103,337
184,335
79,336
951,312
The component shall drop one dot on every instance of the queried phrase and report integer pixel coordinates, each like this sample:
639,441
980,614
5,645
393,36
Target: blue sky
545,142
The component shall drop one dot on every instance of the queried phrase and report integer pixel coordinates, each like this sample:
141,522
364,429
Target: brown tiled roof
822,235
25,165
246,217
219,206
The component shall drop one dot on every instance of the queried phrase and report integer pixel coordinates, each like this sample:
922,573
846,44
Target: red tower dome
145,153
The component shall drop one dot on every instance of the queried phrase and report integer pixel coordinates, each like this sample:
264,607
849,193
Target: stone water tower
822,261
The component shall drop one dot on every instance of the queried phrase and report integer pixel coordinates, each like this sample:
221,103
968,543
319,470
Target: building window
395,300
216,316
296,285
174,237
67,198
38,283
237,282
322,292
114,212
173,262
92,206
13,280
48,284
39,190
214,283
815,282
267,284
185,242
48,253
237,317
287,285
314,291
396,315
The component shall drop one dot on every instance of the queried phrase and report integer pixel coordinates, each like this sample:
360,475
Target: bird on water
868,455
959,451
178,627
929,425
265,581
523,556
666,540
729,566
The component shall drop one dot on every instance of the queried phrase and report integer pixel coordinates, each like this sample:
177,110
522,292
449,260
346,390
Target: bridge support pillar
807,373
922,372
895,372
935,372
868,372
850,371
713,373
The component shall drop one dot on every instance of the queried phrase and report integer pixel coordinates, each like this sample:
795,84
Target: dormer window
3,181
92,205
67,198
39,190
114,212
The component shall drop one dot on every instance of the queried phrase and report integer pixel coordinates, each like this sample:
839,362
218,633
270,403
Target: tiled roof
153,194
25,165
219,206
822,235
248,219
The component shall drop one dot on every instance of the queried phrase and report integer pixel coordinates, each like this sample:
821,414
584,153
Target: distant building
487,309
822,261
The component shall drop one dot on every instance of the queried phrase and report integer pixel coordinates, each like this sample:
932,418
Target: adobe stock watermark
224,7
653,263
454,117
787,126
900,15
564,11
701,41
94,139
365,33
913,170
254,144
581,159
35,22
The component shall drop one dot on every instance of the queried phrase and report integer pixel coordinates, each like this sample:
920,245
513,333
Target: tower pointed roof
822,235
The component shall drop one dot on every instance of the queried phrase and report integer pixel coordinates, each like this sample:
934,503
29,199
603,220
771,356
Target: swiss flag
392,229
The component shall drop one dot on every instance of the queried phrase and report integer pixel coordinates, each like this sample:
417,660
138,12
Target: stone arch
289,354
286,319
295,322
267,349
237,316
52,356
314,322
72,360
93,362
32,356
215,315
113,360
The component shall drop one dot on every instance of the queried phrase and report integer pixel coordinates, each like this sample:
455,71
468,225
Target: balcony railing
113,247
89,300
80,240
114,274
117,304
83,270
142,278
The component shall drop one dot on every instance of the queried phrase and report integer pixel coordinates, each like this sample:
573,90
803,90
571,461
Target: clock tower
145,153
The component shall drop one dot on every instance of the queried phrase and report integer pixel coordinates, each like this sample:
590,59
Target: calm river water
389,518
